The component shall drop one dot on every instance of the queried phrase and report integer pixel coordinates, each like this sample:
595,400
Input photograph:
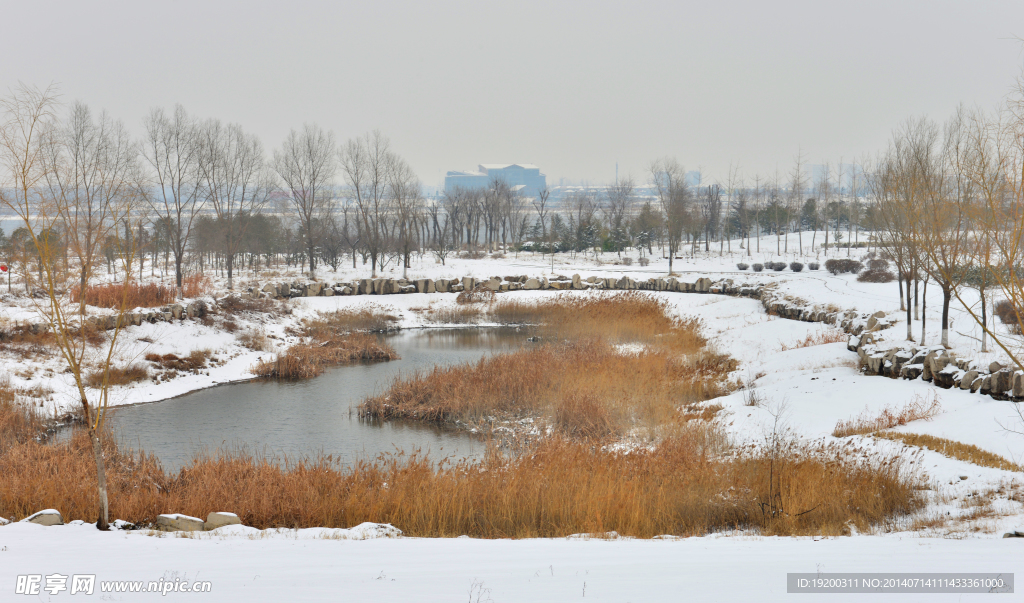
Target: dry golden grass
953,449
823,336
366,318
118,376
132,295
255,340
562,487
915,410
453,315
196,285
632,317
305,360
195,361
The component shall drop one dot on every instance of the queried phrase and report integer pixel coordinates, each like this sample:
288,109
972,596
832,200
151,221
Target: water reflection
295,419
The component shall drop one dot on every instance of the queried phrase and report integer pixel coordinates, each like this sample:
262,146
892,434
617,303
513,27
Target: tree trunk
910,325
924,307
947,294
101,481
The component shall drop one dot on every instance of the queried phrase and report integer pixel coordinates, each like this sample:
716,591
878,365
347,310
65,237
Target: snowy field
811,388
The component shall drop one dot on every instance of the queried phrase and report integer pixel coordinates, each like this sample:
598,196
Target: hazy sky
570,86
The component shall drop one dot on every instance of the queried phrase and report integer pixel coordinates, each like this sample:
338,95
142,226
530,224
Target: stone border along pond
903,360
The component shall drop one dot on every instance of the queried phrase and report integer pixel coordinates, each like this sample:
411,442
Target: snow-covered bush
839,266
779,266
627,261
758,267
796,266
814,265
742,266
645,261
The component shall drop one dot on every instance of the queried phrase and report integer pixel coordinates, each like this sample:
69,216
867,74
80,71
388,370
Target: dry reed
305,360
132,295
822,337
953,449
561,488
915,410
117,376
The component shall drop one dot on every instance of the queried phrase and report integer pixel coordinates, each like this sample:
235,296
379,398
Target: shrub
758,267
196,285
796,266
779,266
876,276
839,266
644,261
814,265
742,266
1008,314
626,261
878,264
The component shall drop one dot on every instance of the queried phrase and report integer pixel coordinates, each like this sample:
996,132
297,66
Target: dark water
304,418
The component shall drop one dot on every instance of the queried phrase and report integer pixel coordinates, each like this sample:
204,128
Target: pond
304,418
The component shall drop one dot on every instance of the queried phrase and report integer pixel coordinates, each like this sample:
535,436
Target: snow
302,565
810,387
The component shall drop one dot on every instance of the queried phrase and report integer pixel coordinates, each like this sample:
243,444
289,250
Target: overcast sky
570,86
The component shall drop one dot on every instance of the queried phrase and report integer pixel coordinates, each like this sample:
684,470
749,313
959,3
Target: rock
968,379
365,286
217,519
995,367
963,477
947,377
576,284
1001,382
176,522
493,284
176,311
314,289
532,284
425,285
1018,384
1013,535
270,288
911,371
327,292
196,309
46,517
441,285
468,283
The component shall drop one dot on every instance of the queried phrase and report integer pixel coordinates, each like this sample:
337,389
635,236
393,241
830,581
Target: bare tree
172,149
669,181
364,163
306,164
89,167
406,200
235,182
25,165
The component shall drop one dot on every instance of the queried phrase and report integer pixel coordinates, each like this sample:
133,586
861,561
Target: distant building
523,175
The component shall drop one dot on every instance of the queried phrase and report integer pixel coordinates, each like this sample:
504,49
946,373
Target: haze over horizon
571,87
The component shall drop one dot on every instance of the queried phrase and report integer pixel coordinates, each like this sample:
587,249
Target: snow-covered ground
812,388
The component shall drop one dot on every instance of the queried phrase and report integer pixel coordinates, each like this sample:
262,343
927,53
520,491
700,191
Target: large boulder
176,522
441,285
217,519
177,311
493,284
46,517
531,284
468,283
967,381
576,283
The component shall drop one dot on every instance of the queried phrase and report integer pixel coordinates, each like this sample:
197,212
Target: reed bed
582,388
917,409
332,338
306,360
131,295
562,487
633,317
953,449
117,376
580,382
